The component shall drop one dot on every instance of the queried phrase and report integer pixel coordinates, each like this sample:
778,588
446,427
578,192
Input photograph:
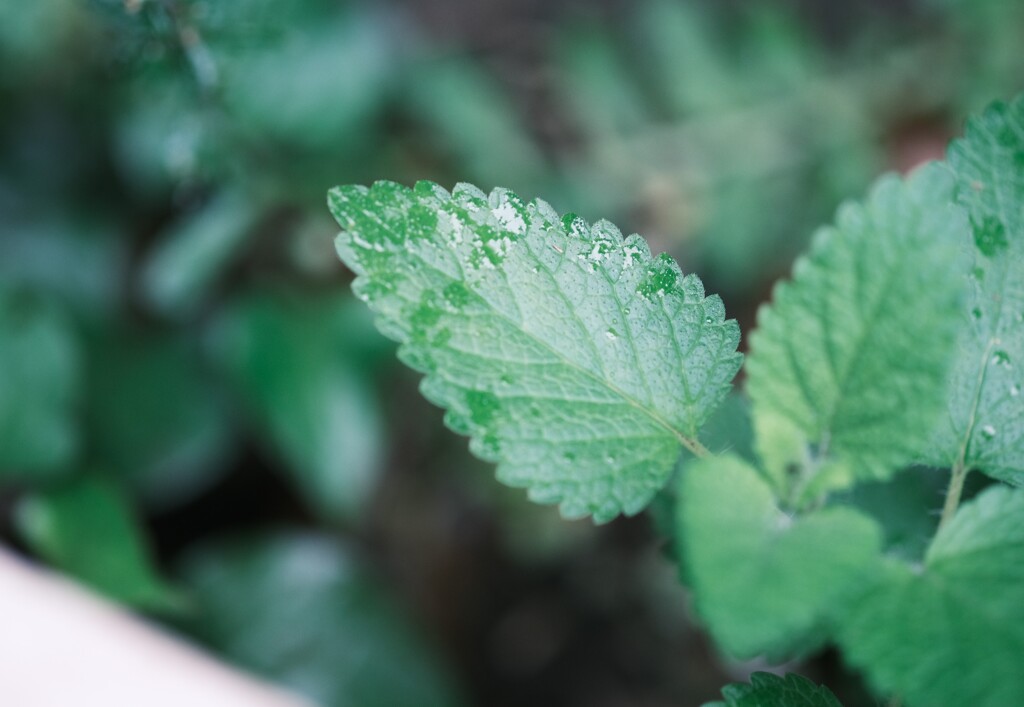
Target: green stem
698,449
953,493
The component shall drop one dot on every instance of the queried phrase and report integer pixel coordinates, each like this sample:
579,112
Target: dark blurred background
199,421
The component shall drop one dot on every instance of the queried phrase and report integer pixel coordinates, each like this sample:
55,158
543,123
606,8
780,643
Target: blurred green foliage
86,528
338,638
172,316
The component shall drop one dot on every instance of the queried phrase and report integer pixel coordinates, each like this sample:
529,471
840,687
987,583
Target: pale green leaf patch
39,388
950,632
763,581
574,359
88,528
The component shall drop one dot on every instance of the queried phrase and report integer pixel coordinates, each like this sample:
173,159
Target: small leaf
854,352
473,121
153,417
950,633
985,425
574,359
195,252
767,690
299,609
39,386
87,529
289,357
762,580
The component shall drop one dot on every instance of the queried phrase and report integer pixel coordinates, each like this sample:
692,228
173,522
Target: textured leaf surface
87,528
762,580
196,251
575,360
985,425
959,621
767,690
854,352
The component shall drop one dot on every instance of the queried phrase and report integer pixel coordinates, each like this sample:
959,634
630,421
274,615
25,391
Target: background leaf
155,417
196,251
338,637
39,387
290,358
87,528
572,357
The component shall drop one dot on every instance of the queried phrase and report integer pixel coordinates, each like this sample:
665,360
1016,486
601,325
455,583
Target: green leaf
985,425
39,382
763,581
905,507
318,85
767,690
952,632
154,418
73,256
195,252
574,359
687,58
606,99
298,609
729,428
474,122
40,35
853,353
289,357
87,528
165,136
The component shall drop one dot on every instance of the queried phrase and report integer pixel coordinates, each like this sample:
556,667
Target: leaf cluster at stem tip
586,368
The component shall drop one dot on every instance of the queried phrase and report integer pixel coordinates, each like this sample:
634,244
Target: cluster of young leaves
584,367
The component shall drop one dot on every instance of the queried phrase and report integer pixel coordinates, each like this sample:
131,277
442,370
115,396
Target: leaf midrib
689,443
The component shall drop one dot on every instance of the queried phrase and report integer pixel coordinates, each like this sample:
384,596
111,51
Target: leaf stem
698,449
953,492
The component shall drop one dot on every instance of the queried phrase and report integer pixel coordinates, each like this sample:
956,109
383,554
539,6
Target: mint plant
585,368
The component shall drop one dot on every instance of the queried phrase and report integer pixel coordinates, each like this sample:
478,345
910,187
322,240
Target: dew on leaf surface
1001,358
